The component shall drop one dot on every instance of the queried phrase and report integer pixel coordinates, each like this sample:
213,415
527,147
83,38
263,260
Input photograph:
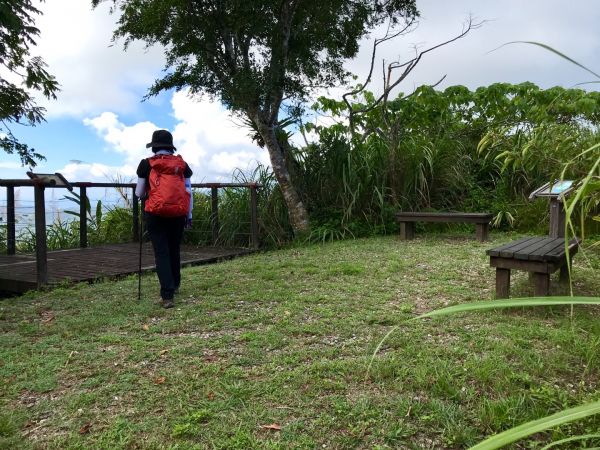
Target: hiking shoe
168,303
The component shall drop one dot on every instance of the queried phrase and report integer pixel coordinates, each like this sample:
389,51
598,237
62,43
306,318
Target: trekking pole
141,237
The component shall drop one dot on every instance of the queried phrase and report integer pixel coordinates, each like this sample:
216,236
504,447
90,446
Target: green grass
286,338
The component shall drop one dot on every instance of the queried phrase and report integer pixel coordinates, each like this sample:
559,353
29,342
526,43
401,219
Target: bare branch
409,65
389,35
428,85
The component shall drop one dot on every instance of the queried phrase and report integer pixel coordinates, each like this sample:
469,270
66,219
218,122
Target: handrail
40,221
27,182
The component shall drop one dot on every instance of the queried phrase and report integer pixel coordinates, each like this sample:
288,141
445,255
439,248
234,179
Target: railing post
41,260
136,217
214,214
83,240
11,243
254,216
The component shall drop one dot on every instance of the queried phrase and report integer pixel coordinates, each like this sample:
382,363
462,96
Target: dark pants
165,234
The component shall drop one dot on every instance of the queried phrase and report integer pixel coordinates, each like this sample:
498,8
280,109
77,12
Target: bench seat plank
407,219
496,251
520,247
444,217
544,252
539,247
559,252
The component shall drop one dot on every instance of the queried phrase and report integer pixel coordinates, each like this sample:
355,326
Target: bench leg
541,284
564,272
407,231
502,282
481,231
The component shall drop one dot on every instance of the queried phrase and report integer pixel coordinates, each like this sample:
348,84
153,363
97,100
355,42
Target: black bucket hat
161,139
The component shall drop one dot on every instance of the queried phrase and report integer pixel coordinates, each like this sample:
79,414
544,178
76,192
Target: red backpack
167,195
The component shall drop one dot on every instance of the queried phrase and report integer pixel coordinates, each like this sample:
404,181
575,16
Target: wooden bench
407,221
540,256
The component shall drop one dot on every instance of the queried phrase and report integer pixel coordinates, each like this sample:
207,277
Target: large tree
257,55
21,75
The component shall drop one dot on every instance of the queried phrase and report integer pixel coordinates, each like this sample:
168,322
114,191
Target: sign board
558,189
51,179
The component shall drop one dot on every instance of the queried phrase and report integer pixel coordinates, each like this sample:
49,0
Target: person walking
164,180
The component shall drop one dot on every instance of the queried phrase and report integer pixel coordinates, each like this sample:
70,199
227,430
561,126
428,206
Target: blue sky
100,121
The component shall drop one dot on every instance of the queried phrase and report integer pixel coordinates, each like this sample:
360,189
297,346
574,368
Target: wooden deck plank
18,272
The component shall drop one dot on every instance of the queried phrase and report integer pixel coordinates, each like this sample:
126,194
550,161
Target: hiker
164,181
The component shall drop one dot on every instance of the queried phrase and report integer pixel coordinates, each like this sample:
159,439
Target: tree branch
378,41
408,67
278,65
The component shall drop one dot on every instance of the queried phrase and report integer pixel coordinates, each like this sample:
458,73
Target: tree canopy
22,74
255,56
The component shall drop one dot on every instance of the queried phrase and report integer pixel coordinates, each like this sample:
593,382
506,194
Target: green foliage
110,226
482,150
545,423
250,55
17,103
234,213
3,237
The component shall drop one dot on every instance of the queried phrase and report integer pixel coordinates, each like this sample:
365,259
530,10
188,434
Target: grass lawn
270,351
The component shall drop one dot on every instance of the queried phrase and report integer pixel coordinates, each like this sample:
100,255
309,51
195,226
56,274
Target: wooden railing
40,214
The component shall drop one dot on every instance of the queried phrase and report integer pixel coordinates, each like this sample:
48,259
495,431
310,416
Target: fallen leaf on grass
85,429
160,380
273,426
47,317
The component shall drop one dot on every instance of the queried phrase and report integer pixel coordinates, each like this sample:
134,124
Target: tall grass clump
234,213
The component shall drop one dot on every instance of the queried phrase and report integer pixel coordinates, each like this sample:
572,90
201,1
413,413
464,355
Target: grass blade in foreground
550,49
512,303
492,304
571,439
535,426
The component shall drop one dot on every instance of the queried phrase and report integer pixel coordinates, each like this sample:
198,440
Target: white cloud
97,172
95,75
205,135
206,130
127,140
10,165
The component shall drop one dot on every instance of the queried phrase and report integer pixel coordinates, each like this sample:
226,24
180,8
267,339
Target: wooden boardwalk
18,272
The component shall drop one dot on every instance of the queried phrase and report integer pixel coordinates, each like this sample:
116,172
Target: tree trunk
296,209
